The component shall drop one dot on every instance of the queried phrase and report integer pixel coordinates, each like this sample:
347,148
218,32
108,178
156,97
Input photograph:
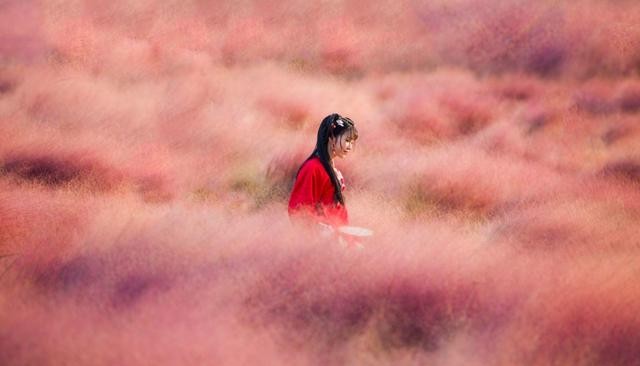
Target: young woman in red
317,191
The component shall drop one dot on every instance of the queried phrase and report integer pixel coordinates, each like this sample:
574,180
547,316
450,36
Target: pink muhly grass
628,98
595,98
289,111
146,163
59,169
459,179
23,34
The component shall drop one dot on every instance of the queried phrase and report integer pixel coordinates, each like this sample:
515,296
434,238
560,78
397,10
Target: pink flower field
148,149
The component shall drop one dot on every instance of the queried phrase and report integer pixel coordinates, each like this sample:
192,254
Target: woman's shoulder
313,163
313,166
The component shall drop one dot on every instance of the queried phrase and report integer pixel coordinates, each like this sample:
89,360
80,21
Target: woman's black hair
333,125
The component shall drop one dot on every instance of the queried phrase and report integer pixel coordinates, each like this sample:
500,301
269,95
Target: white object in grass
355,231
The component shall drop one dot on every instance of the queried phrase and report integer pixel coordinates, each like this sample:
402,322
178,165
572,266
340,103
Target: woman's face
342,145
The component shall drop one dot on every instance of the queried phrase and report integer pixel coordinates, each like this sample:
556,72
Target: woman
317,191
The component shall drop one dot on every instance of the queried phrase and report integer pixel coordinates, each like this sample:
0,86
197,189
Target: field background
147,150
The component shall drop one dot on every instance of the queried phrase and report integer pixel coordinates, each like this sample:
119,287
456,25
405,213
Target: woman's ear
332,145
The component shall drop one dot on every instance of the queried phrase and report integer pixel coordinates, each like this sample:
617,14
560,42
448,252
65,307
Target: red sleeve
308,188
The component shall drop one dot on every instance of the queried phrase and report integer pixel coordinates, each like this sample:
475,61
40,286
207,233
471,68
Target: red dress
313,195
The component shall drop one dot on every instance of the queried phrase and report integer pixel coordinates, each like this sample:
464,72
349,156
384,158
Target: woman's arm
306,193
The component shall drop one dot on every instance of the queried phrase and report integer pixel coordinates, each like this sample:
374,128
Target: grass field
147,152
